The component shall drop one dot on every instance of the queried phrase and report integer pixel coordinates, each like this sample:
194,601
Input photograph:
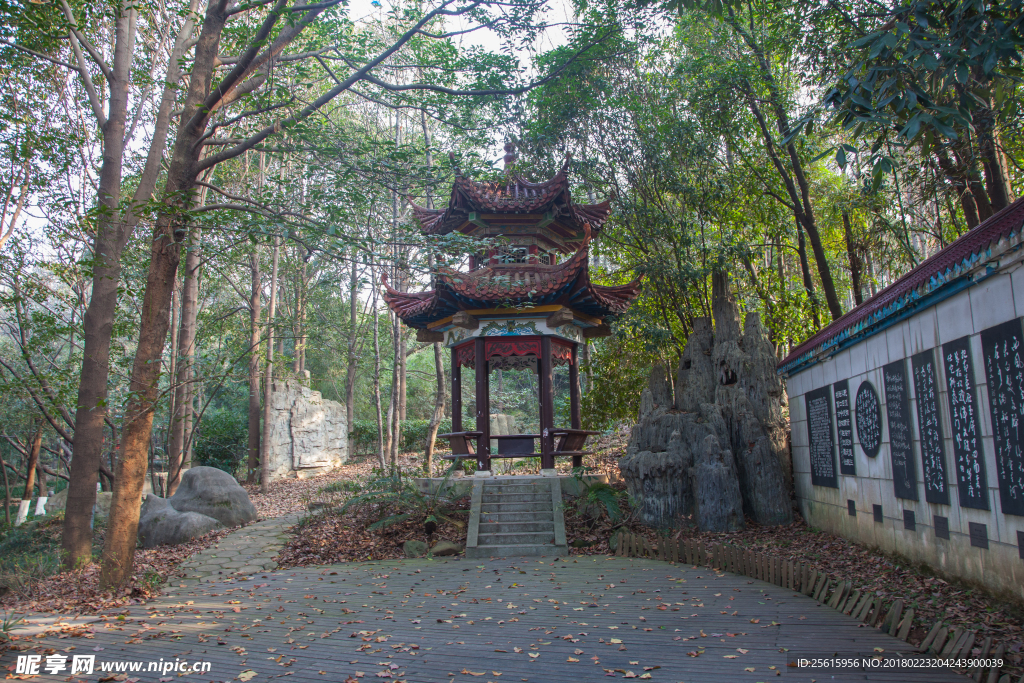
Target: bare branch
39,404
276,127
40,55
90,89
96,56
236,119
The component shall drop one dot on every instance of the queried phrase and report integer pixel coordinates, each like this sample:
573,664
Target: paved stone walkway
249,550
455,620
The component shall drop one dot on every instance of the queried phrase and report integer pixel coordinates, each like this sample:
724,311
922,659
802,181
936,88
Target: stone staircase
516,516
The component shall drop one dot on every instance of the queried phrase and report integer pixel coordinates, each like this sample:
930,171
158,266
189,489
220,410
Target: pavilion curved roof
514,195
567,283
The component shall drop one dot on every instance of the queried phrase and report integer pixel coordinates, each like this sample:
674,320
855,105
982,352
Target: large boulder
442,548
214,493
57,501
160,523
413,548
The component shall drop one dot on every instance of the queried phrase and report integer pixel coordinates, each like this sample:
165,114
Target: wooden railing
942,640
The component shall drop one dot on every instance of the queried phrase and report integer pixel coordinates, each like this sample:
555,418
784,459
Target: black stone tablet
901,438
929,426
819,437
1002,349
969,459
869,419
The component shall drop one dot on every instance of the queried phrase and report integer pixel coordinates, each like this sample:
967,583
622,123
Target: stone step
517,497
501,517
517,488
515,527
523,550
487,508
518,538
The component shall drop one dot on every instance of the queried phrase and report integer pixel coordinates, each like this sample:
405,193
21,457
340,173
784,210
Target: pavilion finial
455,165
510,156
565,164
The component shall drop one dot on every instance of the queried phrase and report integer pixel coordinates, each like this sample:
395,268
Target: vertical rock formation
718,451
307,434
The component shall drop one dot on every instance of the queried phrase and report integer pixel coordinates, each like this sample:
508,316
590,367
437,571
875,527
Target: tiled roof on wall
912,291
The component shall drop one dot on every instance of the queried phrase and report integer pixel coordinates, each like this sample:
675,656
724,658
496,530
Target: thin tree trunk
855,264
440,382
184,391
353,332
299,364
376,375
962,186
254,368
439,396
802,208
395,412
394,424
403,347
7,493
805,269
172,370
268,390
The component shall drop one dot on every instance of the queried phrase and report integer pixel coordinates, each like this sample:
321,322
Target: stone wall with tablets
923,420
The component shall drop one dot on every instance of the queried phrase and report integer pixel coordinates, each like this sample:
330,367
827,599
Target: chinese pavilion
526,302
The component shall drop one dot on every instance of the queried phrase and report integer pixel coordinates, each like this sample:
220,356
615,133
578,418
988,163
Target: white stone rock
307,433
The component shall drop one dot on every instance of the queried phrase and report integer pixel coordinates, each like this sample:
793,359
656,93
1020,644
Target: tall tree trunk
33,462
184,391
165,253
268,390
111,237
403,367
254,367
97,324
394,423
855,264
438,415
395,412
